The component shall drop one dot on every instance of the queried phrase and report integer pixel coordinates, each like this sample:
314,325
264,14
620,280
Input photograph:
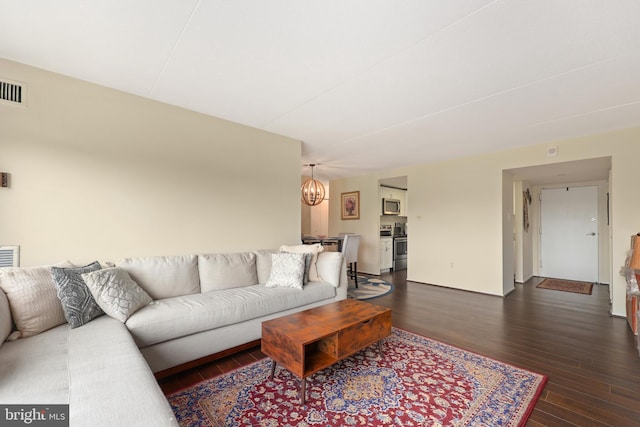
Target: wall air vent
9,256
13,93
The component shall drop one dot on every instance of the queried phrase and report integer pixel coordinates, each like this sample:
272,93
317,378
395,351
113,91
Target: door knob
591,234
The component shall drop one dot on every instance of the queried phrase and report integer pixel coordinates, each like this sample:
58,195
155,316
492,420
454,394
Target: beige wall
519,234
99,174
456,222
368,226
456,213
508,238
305,213
526,257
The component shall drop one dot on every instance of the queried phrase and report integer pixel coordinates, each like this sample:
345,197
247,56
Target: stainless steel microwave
390,207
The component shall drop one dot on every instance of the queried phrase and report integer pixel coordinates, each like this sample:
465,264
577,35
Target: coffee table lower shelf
311,340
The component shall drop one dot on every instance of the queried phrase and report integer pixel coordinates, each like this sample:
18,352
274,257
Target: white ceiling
365,84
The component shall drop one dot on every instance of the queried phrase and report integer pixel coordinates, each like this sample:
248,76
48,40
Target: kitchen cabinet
386,253
387,193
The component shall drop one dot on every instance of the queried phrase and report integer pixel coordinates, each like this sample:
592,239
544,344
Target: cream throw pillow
33,299
314,249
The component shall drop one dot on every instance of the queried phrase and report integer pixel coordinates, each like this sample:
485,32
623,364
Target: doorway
532,179
569,233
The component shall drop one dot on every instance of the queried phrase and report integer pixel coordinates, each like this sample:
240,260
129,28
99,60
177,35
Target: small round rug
369,288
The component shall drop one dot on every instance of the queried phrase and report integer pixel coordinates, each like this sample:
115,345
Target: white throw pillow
117,294
32,298
315,249
287,271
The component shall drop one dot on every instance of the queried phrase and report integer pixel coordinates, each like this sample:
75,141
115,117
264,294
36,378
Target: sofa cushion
112,384
171,318
34,370
77,302
225,271
287,271
263,264
116,293
164,276
35,307
5,318
315,249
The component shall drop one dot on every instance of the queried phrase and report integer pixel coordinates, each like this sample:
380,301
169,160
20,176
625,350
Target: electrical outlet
4,179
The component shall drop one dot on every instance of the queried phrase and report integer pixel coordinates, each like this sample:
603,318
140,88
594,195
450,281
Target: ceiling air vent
13,93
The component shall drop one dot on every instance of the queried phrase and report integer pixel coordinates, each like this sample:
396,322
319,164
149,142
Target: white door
569,233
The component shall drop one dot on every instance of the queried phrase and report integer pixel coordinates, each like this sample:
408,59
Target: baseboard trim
455,289
525,280
206,359
509,292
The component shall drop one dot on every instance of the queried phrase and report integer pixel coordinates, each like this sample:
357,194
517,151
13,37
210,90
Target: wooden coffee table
311,340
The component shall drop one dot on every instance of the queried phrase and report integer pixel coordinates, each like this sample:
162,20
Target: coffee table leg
273,368
303,390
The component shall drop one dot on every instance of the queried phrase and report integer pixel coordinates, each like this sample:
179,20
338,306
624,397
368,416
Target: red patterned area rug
418,381
567,286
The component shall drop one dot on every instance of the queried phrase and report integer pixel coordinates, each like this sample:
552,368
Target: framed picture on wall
350,203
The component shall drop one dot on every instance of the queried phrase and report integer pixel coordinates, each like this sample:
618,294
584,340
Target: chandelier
312,191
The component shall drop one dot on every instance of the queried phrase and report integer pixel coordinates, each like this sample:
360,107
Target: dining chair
350,247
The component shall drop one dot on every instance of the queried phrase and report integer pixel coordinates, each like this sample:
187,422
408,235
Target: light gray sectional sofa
200,305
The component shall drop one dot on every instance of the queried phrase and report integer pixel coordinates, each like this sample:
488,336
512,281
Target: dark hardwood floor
590,357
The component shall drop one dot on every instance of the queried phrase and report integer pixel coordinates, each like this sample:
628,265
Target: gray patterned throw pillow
287,270
116,292
78,304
